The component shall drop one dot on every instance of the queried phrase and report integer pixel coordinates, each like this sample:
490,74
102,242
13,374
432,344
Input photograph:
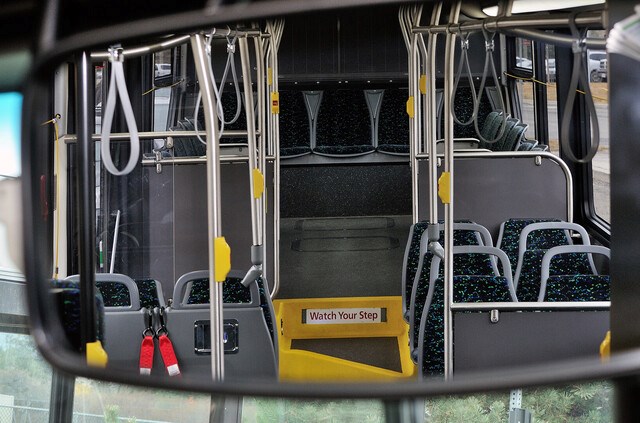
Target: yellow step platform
356,322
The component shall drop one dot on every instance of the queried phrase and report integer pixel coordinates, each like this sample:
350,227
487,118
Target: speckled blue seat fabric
294,124
463,264
578,288
344,125
393,122
233,292
566,264
466,289
115,294
68,296
509,238
148,291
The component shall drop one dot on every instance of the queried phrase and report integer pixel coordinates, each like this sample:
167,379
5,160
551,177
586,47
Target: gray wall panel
492,189
521,338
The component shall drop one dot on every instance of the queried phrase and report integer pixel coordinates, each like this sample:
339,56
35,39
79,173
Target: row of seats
535,260
122,305
352,122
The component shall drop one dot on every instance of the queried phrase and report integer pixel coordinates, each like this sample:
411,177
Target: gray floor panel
379,352
345,271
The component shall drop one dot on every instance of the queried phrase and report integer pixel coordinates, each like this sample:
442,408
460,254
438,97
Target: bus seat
466,288
295,134
118,291
67,295
464,234
412,257
195,289
344,125
393,123
535,239
509,236
563,276
188,146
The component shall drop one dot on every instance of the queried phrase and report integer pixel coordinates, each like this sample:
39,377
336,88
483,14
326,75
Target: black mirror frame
45,330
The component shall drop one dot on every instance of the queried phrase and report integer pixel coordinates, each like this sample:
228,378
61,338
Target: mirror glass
335,274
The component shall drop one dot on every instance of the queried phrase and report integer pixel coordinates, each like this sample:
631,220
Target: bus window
552,103
25,380
527,106
599,84
162,76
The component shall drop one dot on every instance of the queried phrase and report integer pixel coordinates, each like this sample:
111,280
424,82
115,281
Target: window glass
285,410
25,380
10,169
161,96
599,84
524,54
552,100
590,402
527,109
109,402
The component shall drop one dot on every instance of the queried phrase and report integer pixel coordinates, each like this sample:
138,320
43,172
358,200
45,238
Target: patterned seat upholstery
344,125
115,294
535,240
463,264
294,125
393,122
567,275
67,294
466,288
509,237
512,137
150,293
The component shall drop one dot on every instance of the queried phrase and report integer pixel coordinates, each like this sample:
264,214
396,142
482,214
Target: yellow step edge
304,366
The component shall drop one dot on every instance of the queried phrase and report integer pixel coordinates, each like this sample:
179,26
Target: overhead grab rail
579,74
173,41
520,22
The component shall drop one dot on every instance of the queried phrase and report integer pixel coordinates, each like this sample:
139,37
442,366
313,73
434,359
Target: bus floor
342,256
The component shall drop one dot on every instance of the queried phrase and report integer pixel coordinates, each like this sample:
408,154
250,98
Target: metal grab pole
417,116
262,146
203,70
251,136
448,207
430,115
86,200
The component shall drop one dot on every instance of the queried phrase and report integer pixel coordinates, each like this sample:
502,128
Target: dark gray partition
493,187
178,199
520,338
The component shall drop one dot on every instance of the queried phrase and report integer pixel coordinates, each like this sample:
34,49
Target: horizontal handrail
532,306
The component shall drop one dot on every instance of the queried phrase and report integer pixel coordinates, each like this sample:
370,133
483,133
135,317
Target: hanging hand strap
166,348
147,346
489,66
118,83
579,74
462,65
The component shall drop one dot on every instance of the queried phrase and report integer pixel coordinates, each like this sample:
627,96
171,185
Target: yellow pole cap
423,84
444,187
258,183
275,102
222,253
605,347
96,355
410,110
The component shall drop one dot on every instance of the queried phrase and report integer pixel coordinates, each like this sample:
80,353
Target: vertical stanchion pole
448,190
430,113
85,180
203,70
